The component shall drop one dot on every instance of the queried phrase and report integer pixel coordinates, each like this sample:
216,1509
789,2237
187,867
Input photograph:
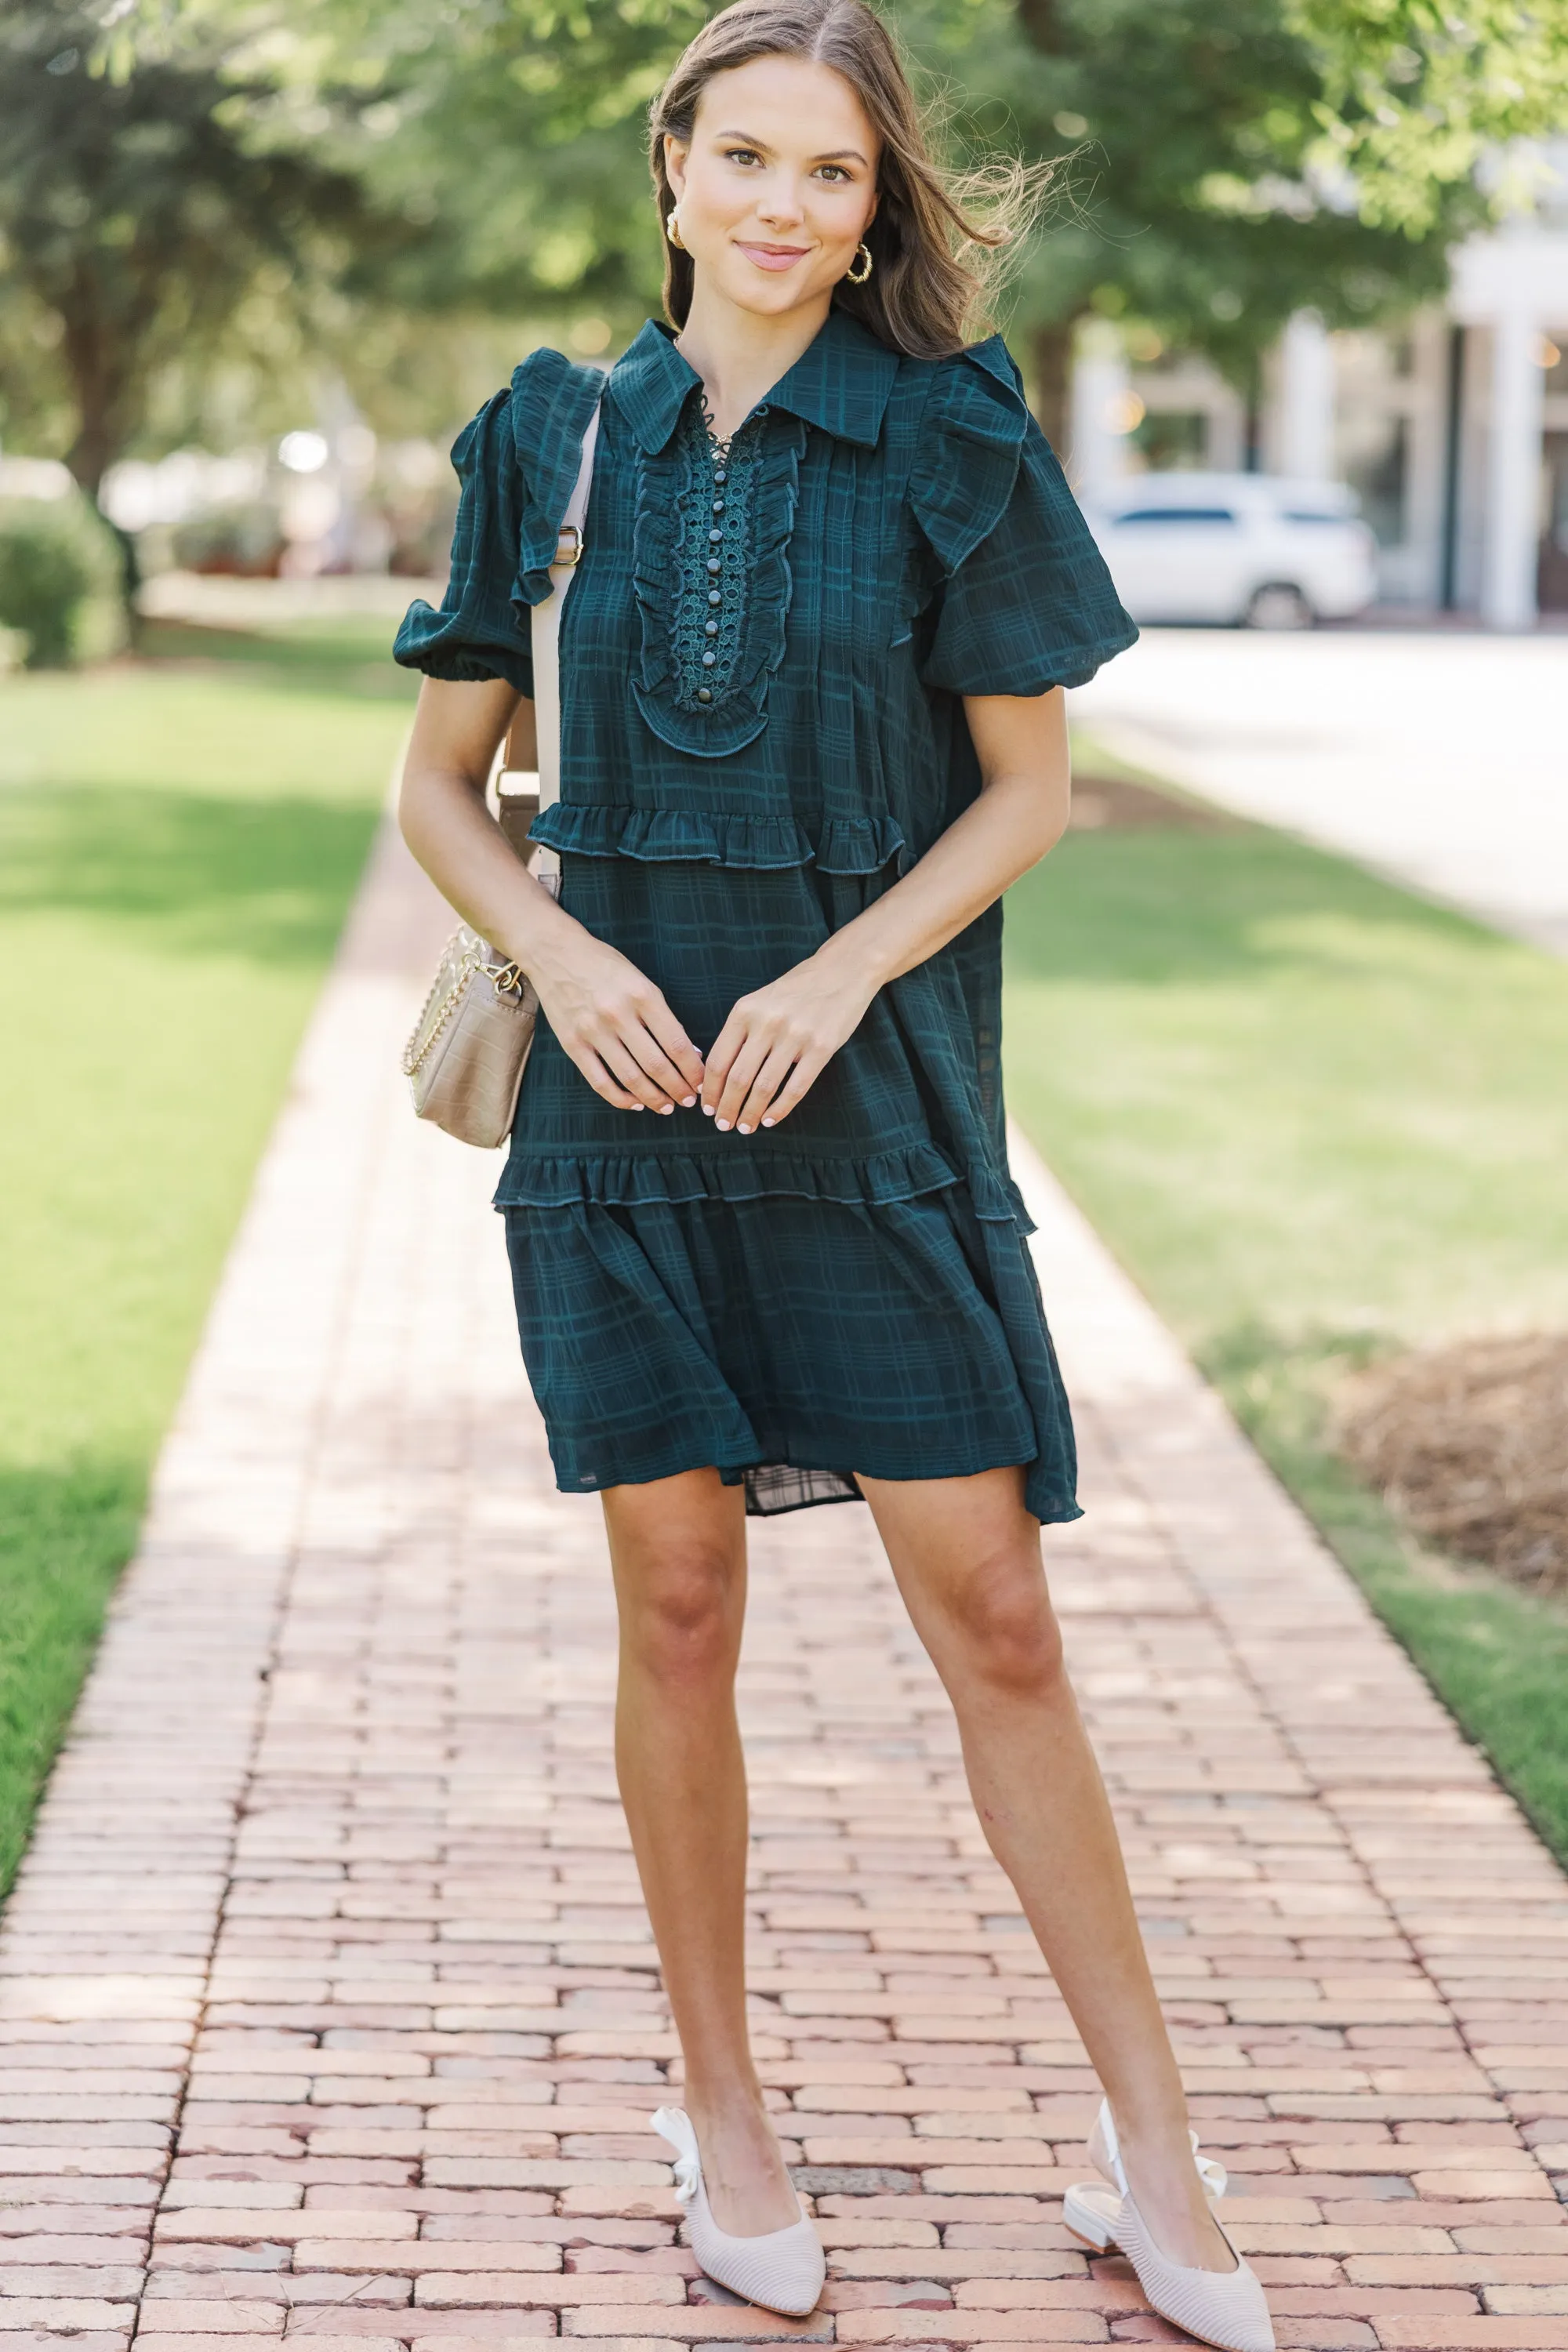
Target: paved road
327,1999
1439,759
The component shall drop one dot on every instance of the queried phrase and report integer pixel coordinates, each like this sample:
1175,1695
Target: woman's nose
781,202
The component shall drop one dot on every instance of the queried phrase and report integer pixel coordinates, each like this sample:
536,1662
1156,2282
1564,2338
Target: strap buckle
567,554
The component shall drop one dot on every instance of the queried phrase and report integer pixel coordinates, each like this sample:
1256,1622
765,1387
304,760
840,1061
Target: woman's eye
834,171
740,154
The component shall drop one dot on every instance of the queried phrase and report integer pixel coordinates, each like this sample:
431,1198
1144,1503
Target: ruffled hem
627,1180
705,837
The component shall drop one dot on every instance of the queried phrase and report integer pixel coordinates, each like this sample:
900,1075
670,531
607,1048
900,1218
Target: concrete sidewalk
1436,758
327,1995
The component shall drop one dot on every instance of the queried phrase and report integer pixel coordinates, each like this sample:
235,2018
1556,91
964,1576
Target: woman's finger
654,1063
671,1037
767,1083
623,1065
599,1078
801,1078
740,1080
721,1057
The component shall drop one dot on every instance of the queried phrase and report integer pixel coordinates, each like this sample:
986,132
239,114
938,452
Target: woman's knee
1002,1624
680,1590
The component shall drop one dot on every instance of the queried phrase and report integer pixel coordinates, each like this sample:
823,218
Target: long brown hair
938,235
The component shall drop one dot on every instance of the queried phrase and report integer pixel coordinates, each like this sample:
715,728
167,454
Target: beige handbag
469,1048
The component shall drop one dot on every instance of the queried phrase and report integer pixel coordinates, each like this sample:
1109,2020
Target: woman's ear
675,153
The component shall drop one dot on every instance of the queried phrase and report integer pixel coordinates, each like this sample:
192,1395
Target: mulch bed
1470,1444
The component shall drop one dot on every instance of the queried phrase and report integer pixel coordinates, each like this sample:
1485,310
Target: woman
812,668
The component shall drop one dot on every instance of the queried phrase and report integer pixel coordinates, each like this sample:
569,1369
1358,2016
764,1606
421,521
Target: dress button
709,660
718,506
703,694
714,564
715,539
720,476
714,597
709,628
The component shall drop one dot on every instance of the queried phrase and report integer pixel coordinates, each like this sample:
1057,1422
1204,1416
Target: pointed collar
841,382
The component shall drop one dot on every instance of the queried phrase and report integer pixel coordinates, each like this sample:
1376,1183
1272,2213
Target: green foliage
176,852
146,193
56,560
1417,96
1188,137
1318,1120
44,583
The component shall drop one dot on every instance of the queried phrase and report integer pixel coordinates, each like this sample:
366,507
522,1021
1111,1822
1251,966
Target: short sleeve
1025,602
478,631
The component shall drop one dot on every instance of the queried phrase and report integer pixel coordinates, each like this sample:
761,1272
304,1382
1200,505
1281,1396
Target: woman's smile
772,256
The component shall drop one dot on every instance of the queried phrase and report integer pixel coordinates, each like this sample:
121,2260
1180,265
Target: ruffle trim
552,401
679,836
633,1177
969,444
738,712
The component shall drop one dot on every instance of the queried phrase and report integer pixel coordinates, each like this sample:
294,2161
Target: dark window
1177,514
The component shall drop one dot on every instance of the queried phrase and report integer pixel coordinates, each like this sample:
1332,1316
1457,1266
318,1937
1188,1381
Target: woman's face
777,185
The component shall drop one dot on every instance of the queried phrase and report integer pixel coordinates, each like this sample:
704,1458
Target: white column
1306,445
1101,392
1513,474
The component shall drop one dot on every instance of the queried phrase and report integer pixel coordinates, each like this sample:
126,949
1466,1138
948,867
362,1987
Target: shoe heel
1083,2218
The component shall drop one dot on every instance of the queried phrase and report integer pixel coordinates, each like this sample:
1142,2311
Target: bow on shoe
674,2125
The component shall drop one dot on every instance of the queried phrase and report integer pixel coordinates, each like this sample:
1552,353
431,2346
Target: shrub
45,579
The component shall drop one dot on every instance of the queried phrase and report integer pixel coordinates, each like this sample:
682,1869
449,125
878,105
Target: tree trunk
1050,350
100,404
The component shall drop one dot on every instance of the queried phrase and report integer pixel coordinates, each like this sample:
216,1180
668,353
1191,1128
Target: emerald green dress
762,666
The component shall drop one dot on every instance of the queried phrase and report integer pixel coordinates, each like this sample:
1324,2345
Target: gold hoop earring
858,278
672,231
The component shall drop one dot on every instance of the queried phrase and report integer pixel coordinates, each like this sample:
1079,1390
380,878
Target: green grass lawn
179,840
1318,1120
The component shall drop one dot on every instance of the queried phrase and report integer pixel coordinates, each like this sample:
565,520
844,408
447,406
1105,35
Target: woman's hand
777,1042
614,1024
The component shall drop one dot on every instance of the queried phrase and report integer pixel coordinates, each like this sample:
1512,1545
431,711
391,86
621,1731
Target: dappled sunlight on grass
177,849
1320,1121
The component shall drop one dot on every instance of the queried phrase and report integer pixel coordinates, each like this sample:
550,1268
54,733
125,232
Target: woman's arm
611,1019
777,1041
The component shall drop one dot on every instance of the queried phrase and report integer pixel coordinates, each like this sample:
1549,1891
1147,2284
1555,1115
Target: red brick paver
327,1997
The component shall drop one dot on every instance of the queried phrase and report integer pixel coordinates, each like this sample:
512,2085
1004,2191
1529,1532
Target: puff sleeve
1025,601
478,633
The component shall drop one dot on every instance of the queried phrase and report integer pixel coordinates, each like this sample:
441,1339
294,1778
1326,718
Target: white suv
1258,548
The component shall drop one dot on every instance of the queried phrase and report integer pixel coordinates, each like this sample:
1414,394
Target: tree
143,199
1186,130
1419,97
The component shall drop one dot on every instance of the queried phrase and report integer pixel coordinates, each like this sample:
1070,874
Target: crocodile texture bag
469,1048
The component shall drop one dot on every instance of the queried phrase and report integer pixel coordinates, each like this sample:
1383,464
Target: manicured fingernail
667,1110
767,1122
706,1110
688,1101
742,1129
723,1127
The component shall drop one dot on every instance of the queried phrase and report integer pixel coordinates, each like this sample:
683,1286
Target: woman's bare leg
967,1556
677,1549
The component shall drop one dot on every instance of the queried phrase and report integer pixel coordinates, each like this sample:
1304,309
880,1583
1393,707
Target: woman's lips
775,256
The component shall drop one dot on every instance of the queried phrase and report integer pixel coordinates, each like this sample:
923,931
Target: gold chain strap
507,981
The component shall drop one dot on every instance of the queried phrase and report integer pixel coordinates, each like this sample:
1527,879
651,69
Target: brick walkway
333,1896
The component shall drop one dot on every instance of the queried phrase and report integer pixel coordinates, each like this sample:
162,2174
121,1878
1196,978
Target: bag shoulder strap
545,626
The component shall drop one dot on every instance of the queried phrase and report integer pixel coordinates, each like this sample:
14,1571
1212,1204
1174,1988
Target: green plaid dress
762,666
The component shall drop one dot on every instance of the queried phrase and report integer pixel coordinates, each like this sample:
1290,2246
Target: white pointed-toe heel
783,2270
1225,2308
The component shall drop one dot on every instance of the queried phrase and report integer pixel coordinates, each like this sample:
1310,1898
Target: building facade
1452,427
